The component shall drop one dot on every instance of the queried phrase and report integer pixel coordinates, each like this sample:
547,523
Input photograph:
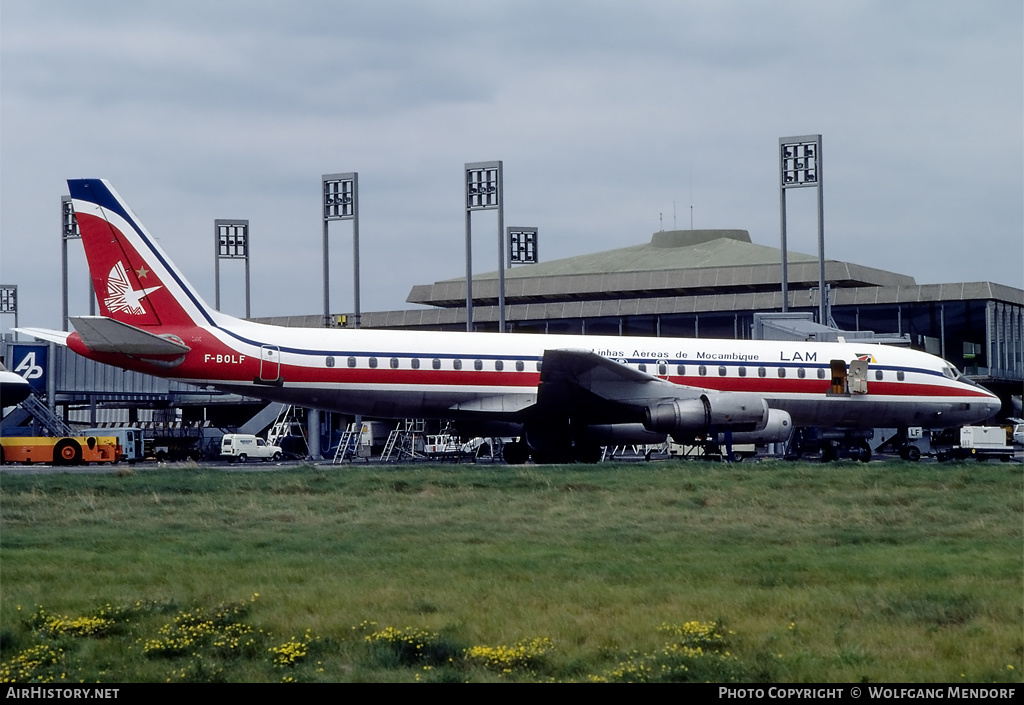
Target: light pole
69,231
341,202
522,245
800,167
230,241
9,302
484,185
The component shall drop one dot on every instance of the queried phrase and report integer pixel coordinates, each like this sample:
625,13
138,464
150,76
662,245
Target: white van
242,446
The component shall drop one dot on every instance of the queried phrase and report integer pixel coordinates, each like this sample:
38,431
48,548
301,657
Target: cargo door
858,377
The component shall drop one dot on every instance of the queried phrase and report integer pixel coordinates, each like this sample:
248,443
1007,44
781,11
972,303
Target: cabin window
478,365
520,366
351,362
538,365
722,371
681,370
900,376
662,369
373,362
801,373
742,371
456,364
642,367
436,364
782,372
394,363
878,375
499,365
762,372
330,361
821,373
702,370
414,363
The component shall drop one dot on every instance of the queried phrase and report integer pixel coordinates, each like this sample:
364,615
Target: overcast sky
608,116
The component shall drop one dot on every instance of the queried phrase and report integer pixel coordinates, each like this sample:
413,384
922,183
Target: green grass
846,572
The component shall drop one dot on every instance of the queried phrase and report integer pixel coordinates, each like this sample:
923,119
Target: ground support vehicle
711,449
445,446
66,450
980,443
242,446
130,438
833,444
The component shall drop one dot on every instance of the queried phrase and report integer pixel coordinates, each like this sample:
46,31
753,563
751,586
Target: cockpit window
953,373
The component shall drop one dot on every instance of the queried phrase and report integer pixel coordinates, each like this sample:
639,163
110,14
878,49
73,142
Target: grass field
660,571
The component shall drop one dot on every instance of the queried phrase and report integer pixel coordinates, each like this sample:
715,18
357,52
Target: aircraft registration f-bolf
565,396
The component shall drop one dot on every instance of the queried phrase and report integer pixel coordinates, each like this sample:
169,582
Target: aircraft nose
993,406
990,406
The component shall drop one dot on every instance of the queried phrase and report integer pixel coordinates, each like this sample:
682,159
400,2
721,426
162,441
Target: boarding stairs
347,445
54,425
283,425
401,443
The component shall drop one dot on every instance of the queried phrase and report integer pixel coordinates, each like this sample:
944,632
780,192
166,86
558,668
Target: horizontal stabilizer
54,336
101,334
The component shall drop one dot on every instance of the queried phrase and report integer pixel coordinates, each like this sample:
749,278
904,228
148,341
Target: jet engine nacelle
728,411
778,430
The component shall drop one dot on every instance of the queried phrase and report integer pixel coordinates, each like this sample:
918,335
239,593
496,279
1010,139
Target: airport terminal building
710,284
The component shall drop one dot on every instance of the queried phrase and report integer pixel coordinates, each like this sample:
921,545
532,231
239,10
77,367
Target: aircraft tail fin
135,281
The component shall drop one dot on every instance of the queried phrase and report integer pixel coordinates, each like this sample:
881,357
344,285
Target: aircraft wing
54,336
588,386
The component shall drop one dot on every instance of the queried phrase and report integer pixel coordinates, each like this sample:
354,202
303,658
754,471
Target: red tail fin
135,281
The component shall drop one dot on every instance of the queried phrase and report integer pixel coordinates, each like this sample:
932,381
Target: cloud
608,116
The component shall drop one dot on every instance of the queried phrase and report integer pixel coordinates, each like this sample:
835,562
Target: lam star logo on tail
120,294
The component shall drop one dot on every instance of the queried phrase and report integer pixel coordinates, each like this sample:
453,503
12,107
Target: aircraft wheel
515,453
67,453
864,453
587,453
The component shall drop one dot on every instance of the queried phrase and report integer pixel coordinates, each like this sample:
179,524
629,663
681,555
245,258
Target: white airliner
14,388
565,396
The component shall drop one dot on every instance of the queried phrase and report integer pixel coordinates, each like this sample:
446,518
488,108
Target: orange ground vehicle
68,450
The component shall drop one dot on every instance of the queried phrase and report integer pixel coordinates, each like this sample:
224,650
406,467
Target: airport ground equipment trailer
62,450
980,443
